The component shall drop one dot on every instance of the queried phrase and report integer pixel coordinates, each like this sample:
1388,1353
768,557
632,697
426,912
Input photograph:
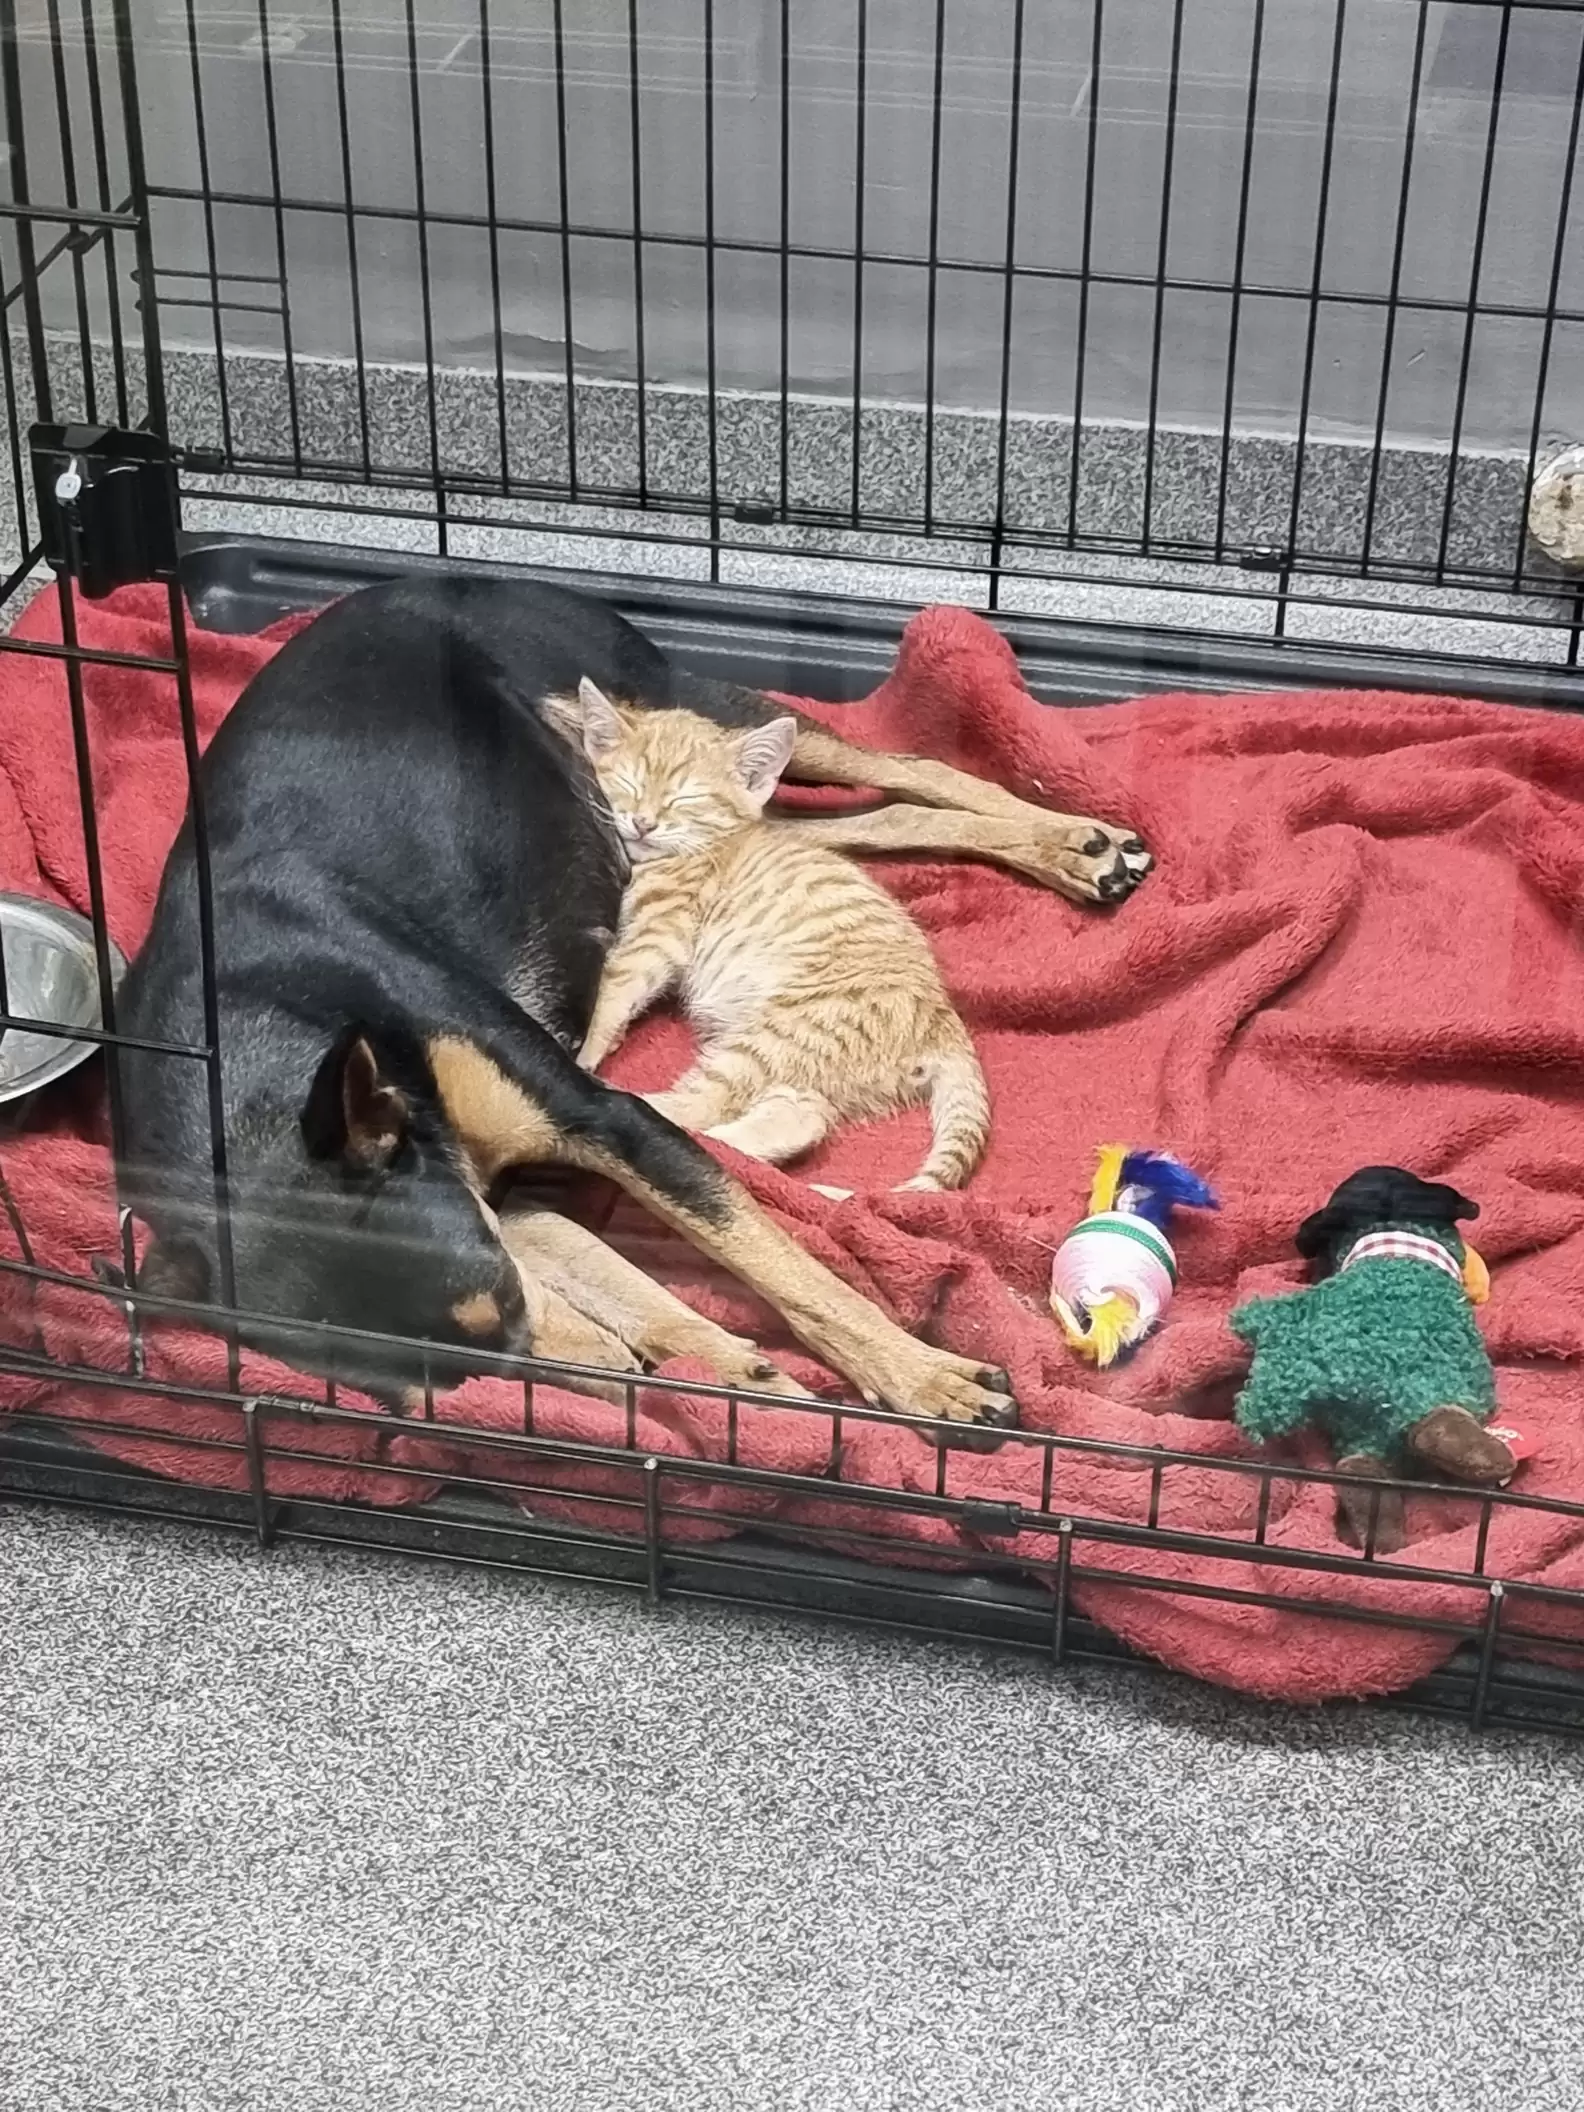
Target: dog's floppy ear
175,1268
360,1106
1378,1195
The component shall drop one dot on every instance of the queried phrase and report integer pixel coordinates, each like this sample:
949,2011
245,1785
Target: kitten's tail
959,1105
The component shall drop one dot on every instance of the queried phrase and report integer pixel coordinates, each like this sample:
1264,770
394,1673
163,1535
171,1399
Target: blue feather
1153,1184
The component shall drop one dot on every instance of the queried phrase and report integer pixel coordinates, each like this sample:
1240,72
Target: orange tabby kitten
815,998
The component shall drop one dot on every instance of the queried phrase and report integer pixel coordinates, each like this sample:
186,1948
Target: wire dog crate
1206,343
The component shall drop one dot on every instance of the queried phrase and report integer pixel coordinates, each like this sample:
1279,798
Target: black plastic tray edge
42,1462
839,648
41,1459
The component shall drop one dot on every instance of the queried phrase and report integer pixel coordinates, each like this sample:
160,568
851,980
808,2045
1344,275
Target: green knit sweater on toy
1365,1354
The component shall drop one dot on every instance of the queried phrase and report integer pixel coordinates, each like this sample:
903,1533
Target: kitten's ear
602,726
762,755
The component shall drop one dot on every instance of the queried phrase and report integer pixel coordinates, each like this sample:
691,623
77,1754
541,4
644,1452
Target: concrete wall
1060,89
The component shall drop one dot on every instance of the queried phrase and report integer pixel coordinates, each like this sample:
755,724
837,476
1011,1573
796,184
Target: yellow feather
1110,1326
1073,1325
1476,1277
1107,1176
1100,1332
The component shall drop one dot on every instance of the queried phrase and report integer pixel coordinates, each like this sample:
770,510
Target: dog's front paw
751,1370
933,1383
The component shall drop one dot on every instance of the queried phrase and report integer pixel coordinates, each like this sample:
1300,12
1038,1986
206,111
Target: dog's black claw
1135,847
1097,846
1004,1416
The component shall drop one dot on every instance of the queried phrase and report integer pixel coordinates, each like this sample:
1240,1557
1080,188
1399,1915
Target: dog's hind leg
1081,860
1090,860
523,1101
616,1295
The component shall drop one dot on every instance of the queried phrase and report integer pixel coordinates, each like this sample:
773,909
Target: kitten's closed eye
675,784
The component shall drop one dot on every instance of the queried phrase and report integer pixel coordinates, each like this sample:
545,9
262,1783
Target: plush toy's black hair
1379,1195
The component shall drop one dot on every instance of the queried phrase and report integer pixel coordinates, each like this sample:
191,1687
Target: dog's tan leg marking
823,758
888,1367
1039,852
499,1124
1089,860
610,1291
494,1120
478,1315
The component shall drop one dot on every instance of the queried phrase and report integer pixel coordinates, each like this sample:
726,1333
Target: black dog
413,889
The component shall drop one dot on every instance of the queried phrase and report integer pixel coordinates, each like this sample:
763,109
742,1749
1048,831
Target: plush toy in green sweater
1382,1354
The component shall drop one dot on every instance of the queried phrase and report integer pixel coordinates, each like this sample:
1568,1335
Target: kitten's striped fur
815,997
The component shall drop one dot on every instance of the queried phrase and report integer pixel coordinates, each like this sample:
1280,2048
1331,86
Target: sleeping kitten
815,998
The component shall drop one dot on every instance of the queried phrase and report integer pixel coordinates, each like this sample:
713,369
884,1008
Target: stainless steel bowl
50,974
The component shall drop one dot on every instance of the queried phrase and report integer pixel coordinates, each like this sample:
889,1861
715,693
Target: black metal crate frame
996,541
88,247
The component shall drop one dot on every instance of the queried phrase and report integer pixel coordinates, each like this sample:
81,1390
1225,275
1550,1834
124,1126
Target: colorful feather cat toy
1114,1273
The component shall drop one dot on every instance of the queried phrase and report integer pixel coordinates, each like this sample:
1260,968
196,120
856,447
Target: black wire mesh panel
1270,295
1506,1651
1028,293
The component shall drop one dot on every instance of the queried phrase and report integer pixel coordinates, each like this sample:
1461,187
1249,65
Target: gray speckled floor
321,1831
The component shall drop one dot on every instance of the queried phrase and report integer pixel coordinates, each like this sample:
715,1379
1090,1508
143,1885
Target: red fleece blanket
1361,944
